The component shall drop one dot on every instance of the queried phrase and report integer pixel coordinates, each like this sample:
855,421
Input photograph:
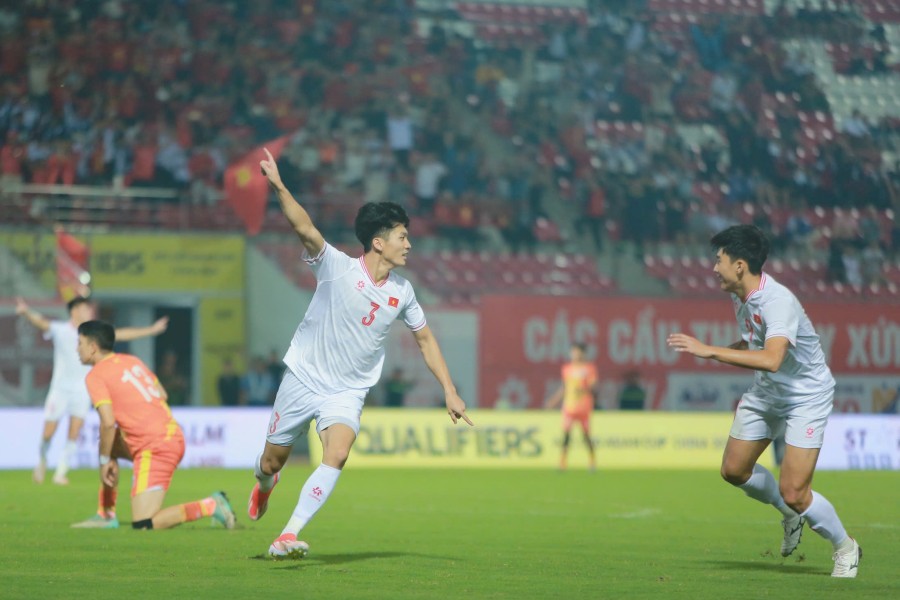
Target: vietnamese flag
247,189
72,277
393,301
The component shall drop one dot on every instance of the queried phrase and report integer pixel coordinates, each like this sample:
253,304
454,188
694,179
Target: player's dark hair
745,242
100,332
581,346
76,301
376,219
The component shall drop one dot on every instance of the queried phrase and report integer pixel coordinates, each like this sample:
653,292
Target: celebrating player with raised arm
793,392
136,424
337,352
67,393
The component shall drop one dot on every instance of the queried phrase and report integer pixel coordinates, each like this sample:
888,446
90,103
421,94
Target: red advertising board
525,339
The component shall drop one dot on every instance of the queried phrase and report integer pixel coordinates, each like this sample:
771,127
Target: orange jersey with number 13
137,400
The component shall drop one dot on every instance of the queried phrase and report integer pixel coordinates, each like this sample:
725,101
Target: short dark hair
376,219
76,301
580,346
100,332
745,242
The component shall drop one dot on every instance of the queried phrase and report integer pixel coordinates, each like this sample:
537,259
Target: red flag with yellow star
247,189
72,277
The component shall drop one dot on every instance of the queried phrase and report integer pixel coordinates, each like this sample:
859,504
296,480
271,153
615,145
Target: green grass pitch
417,533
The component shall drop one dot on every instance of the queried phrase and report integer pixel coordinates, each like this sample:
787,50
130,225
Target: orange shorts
153,468
570,418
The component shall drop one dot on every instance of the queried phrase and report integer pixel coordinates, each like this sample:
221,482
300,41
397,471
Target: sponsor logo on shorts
810,431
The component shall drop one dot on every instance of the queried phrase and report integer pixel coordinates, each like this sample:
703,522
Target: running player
337,352
136,424
576,394
793,393
67,393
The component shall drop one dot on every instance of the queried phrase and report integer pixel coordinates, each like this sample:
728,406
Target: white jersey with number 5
339,345
772,310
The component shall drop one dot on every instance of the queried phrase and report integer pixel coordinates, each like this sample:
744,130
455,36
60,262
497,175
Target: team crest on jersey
395,302
360,284
757,319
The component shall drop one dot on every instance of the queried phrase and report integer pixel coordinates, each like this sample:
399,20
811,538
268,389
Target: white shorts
62,402
803,423
296,406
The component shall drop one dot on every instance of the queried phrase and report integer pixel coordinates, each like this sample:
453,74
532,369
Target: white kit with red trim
339,345
772,310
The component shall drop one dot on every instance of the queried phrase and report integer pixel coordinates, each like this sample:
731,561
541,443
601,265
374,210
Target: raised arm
33,317
431,352
126,334
297,216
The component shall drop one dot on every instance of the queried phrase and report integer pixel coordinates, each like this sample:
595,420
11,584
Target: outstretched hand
456,408
269,168
160,325
21,306
681,342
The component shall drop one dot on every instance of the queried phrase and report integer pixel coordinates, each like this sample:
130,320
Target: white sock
823,519
266,482
68,454
313,495
763,487
45,447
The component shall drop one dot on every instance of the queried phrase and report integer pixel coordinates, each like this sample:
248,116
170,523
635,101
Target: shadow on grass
340,559
739,565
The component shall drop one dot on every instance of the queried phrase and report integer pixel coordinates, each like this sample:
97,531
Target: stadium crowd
645,125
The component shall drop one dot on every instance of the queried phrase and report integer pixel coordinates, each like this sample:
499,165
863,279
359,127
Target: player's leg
71,447
54,408
585,421
804,436
567,422
295,406
105,517
337,422
153,475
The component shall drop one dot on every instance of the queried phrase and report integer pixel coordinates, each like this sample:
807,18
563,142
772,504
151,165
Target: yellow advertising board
37,252
167,262
532,439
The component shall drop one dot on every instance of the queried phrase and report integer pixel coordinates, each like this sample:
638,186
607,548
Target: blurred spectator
632,395
173,380
395,388
275,366
228,384
257,385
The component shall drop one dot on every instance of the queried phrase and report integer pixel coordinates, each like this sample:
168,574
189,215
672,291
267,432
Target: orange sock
199,509
106,501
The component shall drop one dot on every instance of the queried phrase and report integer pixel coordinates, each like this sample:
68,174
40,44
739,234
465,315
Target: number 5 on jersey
368,319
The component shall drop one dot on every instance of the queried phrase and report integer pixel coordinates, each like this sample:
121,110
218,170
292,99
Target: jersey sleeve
413,315
52,330
782,319
97,389
329,264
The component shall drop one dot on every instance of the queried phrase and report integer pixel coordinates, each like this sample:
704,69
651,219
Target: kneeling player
136,424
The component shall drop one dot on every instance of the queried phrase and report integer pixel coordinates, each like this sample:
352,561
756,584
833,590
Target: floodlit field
453,534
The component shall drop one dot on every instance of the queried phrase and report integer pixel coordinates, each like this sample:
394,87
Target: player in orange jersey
136,424
576,394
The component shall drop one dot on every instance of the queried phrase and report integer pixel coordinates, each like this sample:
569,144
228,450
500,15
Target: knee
734,474
336,457
270,464
796,497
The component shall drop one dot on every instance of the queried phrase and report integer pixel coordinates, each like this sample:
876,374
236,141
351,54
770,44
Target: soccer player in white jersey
793,392
337,352
68,393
